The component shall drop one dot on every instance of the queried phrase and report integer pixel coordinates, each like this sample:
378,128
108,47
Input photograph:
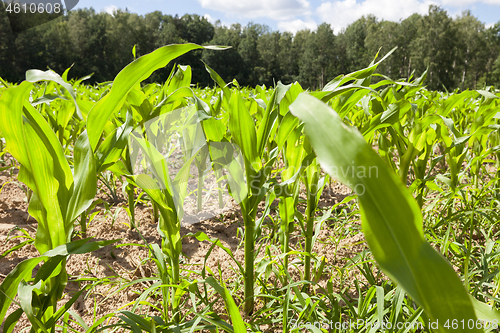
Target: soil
122,264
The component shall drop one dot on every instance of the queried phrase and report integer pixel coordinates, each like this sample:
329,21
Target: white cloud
273,9
342,13
110,9
459,3
209,18
214,21
296,25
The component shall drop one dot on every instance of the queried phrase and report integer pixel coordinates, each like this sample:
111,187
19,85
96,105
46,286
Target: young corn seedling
173,95
252,143
37,294
59,195
483,123
167,191
392,222
287,191
195,142
215,132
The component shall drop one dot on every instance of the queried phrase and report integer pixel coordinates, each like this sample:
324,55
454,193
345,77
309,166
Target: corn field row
422,166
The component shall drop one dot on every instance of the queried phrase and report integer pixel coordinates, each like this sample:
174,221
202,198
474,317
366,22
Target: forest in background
458,52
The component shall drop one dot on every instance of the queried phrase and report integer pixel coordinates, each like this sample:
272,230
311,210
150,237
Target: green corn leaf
214,129
111,149
78,247
243,130
361,74
484,311
181,78
12,320
134,73
137,320
269,119
50,179
65,308
174,98
8,288
287,125
169,224
290,96
11,122
234,312
132,324
215,76
34,75
44,168
23,270
85,179
25,294
391,219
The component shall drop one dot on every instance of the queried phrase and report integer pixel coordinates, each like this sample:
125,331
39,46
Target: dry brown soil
124,263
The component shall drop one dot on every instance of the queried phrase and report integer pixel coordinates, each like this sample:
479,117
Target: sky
294,15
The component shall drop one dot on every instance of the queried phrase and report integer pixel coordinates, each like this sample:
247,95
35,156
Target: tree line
458,52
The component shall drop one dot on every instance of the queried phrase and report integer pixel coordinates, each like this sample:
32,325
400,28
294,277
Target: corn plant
314,186
252,143
392,221
265,145
38,295
59,195
288,190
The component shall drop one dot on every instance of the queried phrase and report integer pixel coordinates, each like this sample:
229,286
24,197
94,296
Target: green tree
408,32
287,58
124,30
249,52
57,45
351,41
472,52
228,64
7,48
269,48
492,73
88,32
382,37
495,73
319,60
195,29
435,48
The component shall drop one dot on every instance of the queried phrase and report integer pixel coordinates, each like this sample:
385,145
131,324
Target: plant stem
249,212
61,135
131,205
286,247
420,196
469,251
285,228
311,207
130,189
218,175
200,190
249,258
155,213
83,223
176,281
476,176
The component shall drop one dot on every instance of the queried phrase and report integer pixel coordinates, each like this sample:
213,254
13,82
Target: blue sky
293,15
